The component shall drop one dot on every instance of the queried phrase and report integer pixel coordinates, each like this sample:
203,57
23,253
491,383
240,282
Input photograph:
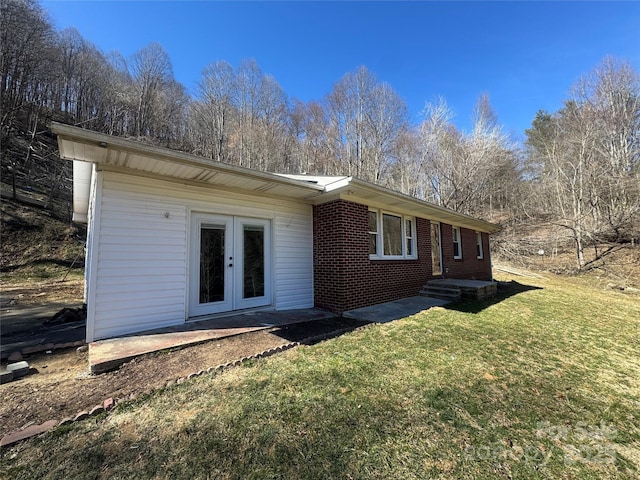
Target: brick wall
344,276
469,266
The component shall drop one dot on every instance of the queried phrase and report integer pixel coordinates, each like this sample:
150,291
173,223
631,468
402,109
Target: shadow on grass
78,264
505,291
318,330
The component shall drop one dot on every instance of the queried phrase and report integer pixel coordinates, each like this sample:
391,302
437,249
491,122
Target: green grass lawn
544,383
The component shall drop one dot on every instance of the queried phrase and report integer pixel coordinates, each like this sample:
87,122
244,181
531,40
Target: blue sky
525,55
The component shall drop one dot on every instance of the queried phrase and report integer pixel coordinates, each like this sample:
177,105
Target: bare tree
310,129
466,171
25,57
588,156
366,119
213,110
246,93
151,71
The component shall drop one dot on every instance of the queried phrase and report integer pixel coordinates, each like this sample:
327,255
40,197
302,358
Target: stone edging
108,404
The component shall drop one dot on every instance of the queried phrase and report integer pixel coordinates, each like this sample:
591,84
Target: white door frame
233,264
195,308
239,302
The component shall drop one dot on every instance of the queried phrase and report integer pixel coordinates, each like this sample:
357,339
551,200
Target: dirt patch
37,245
38,251
30,292
61,386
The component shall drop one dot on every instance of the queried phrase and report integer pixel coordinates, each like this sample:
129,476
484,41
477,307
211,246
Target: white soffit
114,153
118,154
379,197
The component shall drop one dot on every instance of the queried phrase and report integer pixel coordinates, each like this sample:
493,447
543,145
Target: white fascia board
340,183
83,136
327,182
358,190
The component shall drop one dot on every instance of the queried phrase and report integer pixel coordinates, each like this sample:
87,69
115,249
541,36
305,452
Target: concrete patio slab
387,312
109,354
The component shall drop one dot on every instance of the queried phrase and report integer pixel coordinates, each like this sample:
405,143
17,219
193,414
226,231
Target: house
173,236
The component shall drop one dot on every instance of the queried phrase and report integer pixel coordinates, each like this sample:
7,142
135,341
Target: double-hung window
457,244
479,253
409,236
373,232
391,235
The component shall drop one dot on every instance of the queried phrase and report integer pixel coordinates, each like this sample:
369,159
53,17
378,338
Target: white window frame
376,233
409,238
379,255
457,239
479,246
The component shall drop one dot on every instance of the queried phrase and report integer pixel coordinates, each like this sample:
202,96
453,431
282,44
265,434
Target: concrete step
441,288
471,289
444,293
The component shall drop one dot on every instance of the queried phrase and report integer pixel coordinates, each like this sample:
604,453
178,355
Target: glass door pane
252,281
212,263
436,252
253,261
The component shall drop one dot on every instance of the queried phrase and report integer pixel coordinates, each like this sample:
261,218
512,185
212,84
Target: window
391,235
457,244
408,235
479,245
373,232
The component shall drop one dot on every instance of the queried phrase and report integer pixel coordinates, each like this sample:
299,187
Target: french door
230,263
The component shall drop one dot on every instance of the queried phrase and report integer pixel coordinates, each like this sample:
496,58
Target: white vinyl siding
293,259
141,274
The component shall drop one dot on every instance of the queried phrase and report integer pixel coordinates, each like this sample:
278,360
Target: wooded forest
576,178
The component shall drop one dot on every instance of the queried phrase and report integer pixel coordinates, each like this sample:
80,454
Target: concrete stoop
452,294
457,289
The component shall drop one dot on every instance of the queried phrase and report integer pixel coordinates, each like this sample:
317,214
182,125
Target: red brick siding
469,266
344,276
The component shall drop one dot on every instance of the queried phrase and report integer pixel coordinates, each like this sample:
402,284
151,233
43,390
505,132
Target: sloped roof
116,154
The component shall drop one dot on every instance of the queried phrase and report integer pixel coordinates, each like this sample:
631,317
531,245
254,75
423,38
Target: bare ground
61,386
27,292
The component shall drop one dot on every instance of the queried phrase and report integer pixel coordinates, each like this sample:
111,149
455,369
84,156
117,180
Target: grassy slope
543,384
37,251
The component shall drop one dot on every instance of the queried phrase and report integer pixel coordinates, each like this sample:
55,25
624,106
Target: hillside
39,242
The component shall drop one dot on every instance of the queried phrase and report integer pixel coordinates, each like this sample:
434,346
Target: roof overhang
109,153
355,190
